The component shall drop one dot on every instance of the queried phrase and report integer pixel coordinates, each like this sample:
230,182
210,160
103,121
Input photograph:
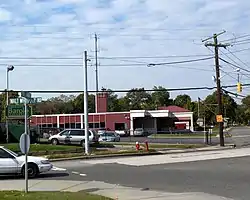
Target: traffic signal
239,87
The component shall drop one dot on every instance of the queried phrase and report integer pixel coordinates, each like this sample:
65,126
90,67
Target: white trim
58,121
81,119
79,114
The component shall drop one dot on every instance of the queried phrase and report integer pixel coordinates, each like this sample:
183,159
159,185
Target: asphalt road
228,178
241,136
180,140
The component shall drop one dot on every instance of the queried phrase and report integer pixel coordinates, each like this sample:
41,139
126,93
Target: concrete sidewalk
109,190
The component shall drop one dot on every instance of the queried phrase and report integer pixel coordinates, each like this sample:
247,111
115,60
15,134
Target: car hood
31,158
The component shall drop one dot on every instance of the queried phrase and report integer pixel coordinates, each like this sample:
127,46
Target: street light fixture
9,69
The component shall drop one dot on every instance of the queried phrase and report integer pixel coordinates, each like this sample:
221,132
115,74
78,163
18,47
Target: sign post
19,109
26,95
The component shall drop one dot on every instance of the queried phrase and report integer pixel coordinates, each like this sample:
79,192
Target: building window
62,126
102,125
120,126
78,125
72,125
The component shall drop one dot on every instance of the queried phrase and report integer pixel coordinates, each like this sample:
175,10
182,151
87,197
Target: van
73,136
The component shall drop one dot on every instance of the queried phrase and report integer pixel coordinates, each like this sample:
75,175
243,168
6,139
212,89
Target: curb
231,146
106,156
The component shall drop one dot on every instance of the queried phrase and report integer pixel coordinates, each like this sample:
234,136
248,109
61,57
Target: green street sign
17,111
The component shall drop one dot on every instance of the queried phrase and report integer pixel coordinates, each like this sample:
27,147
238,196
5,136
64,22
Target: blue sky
126,28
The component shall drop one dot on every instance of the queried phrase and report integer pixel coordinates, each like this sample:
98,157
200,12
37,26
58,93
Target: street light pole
86,123
9,68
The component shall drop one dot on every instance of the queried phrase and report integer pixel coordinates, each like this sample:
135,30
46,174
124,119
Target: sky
131,35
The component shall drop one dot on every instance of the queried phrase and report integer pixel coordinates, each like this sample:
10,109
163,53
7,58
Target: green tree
161,97
211,109
114,103
78,104
55,105
138,99
183,101
11,94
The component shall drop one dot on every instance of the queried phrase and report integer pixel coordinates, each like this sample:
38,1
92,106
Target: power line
235,38
127,90
237,58
180,62
234,65
114,57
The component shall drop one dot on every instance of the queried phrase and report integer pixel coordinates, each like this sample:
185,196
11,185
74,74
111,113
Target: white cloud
5,15
64,28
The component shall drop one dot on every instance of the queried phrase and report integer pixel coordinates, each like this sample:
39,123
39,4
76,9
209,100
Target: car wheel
32,170
82,143
54,142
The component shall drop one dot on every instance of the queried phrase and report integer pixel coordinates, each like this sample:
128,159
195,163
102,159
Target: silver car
73,136
109,136
140,132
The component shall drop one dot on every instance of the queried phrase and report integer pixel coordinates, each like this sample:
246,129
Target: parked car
74,136
109,136
140,132
123,133
14,164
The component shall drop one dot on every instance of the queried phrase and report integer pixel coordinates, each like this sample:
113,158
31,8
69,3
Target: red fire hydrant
137,146
146,144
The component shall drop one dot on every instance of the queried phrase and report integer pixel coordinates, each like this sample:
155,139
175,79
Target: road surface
220,173
241,136
180,140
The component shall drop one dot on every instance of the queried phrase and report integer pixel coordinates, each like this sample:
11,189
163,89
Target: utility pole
199,107
96,70
86,122
216,46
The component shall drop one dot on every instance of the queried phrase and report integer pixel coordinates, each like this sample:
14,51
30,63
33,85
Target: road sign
34,100
15,101
18,111
28,101
26,95
219,118
24,147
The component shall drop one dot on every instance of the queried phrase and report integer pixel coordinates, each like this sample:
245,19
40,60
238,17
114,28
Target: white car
13,164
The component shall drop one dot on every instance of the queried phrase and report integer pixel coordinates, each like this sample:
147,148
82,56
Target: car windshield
11,152
108,134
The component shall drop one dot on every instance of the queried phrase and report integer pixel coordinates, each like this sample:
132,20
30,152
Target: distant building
161,120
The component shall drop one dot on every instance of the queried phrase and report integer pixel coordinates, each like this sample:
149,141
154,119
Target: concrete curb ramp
104,189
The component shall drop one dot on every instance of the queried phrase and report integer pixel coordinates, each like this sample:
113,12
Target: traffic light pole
218,83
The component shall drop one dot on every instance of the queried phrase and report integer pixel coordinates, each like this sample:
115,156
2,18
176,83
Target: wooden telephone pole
216,46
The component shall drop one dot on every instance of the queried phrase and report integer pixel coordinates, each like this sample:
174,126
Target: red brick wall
111,119
102,102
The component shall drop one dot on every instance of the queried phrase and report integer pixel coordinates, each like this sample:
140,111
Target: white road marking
82,174
240,136
75,172
58,169
176,158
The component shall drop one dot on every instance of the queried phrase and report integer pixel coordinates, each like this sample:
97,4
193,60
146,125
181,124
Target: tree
55,105
183,101
210,107
138,99
78,104
11,94
113,101
243,112
161,97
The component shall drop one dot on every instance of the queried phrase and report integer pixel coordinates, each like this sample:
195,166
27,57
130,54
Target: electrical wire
114,57
234,65
126,90
180,62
